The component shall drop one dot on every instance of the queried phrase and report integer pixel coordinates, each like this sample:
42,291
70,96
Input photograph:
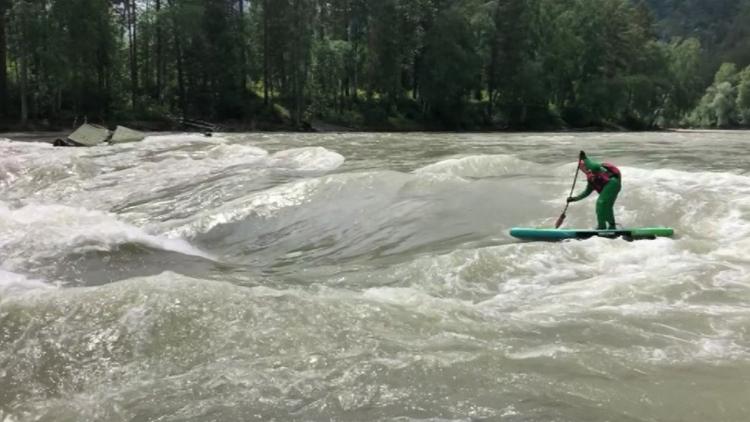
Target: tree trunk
24,89
130,13
243,56
355,71
182,102
266,73
349,65
159,53
145,76
297,64
180,75
491,82
3,63
342,95
58,101
492,70
415,78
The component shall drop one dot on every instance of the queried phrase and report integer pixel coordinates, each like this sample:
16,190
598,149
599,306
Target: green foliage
65,54
330,61
459,64
724,104
683,69
719,105
743,97
386,51
726,73
450,69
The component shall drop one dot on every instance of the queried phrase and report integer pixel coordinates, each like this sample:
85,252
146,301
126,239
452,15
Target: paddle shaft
567,204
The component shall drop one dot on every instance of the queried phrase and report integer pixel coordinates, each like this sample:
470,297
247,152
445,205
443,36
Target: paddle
562,216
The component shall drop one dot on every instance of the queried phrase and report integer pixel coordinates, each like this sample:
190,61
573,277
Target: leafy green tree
734,46
726,73
4,93
683,68
724,103
743,97
386,54
718,107
456,63
221,59
451,67
28,21
329,73
87,60
508,51
559,46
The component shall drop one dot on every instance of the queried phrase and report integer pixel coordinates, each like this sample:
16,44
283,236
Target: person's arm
582,195
591,165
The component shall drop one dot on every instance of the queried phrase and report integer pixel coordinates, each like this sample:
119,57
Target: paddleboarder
606,180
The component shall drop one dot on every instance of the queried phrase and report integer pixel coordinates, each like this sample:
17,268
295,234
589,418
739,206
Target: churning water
355,277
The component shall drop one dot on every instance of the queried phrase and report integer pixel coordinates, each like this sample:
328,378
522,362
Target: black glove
582,156
571,199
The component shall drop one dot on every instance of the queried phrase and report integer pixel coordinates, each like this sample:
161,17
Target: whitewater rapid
371,277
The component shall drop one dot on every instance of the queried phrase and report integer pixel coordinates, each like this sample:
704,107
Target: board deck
562,234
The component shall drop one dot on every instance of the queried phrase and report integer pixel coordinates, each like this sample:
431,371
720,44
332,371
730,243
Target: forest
377,64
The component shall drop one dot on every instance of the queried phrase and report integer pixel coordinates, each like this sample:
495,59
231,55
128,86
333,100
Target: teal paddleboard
562,234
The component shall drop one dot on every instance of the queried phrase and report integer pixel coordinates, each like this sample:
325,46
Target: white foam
37,232
545,351
309,159
103,178
19,159
13,283
480,166
10,169
184,163
414,299
271,202
108,177
178,139
263,204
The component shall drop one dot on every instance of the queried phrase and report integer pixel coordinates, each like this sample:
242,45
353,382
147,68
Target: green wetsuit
605,214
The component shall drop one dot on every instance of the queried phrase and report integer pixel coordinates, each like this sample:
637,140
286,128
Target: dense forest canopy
379,64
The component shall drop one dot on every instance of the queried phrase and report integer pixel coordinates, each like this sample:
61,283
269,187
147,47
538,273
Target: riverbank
320,126
279,122
364,117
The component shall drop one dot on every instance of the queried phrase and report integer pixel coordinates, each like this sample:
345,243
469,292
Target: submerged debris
123,134
89,135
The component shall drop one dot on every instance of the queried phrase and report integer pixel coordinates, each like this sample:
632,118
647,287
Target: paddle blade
560,221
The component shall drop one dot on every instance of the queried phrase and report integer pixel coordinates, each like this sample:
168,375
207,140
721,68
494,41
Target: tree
507,54
724,103
451,67
329,72
385,52
160,62
683,67
743,97
523,63
220,59
726,73
25,18
266,51
4,93
718,107
558,47
301,47
129,15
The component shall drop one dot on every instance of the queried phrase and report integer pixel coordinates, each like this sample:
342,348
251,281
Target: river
353,277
